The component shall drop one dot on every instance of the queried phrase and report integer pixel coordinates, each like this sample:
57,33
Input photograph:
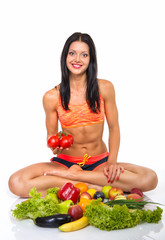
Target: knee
150,180
154,180
17,185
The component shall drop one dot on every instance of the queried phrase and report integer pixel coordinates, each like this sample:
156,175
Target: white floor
11,229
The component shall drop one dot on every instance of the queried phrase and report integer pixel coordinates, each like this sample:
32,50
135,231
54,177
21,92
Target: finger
118,173
60,149
113,176
105,170
119,170
112,169
55,151
54,148
122,169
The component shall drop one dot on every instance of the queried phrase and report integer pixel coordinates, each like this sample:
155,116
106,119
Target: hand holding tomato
60,140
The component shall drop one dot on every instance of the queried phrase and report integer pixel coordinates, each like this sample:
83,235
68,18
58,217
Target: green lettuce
119,217
36,206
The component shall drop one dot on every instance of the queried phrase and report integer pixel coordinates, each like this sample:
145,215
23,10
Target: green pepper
64,206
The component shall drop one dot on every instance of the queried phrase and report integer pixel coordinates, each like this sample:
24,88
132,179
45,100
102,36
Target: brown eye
71,53
85,55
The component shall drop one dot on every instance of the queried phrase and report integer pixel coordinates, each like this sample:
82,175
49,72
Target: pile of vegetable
41,207
73,207
118,217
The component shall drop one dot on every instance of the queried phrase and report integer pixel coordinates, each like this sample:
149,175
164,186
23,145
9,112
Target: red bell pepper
68,192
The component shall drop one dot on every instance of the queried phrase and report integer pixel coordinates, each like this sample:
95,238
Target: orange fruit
83,203
82,186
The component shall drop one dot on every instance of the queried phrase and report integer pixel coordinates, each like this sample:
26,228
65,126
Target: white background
130,42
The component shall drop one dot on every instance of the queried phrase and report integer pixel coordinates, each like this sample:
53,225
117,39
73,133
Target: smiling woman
80,103
78,57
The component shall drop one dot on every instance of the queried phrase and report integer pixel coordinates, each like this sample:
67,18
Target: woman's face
78,58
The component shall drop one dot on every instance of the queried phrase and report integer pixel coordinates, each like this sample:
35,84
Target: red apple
137,191
75,212
115,191
85,195
134,196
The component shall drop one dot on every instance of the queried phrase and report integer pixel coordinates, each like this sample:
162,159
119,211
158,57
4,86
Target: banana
75,225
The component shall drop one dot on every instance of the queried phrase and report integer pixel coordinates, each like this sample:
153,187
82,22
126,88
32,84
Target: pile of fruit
73,207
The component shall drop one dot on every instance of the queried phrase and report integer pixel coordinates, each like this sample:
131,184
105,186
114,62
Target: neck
78,82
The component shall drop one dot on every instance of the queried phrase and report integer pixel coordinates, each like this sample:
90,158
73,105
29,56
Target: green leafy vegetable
152,216
36,206
118,217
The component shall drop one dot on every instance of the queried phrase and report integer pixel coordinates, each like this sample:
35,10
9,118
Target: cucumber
53,221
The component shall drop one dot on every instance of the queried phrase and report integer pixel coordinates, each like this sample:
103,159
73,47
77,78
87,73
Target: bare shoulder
51,97
106,89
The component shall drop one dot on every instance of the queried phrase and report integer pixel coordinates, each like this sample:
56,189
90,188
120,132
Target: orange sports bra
79,115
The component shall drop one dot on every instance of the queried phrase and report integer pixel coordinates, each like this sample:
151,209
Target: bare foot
72,173
74,169
56,172
65,173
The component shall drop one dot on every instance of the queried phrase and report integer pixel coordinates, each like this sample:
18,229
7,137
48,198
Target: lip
76,66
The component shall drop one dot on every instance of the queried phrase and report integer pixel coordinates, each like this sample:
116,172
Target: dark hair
92,92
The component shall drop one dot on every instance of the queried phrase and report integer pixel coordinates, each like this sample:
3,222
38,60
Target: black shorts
90,165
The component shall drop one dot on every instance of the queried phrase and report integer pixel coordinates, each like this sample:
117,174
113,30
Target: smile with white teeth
76,65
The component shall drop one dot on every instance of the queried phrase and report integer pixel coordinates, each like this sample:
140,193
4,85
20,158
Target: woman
81,103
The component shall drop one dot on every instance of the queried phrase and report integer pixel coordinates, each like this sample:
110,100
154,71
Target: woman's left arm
111,169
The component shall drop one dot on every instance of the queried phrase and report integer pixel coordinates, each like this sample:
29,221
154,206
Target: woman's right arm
50,101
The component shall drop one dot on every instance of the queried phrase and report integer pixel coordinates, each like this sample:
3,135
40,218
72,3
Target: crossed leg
24,179
133,176
47,175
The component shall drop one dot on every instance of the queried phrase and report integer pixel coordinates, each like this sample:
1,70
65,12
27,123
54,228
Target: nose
77,58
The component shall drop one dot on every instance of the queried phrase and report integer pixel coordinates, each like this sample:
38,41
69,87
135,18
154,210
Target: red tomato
65,142
71,138
53,142
60,134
